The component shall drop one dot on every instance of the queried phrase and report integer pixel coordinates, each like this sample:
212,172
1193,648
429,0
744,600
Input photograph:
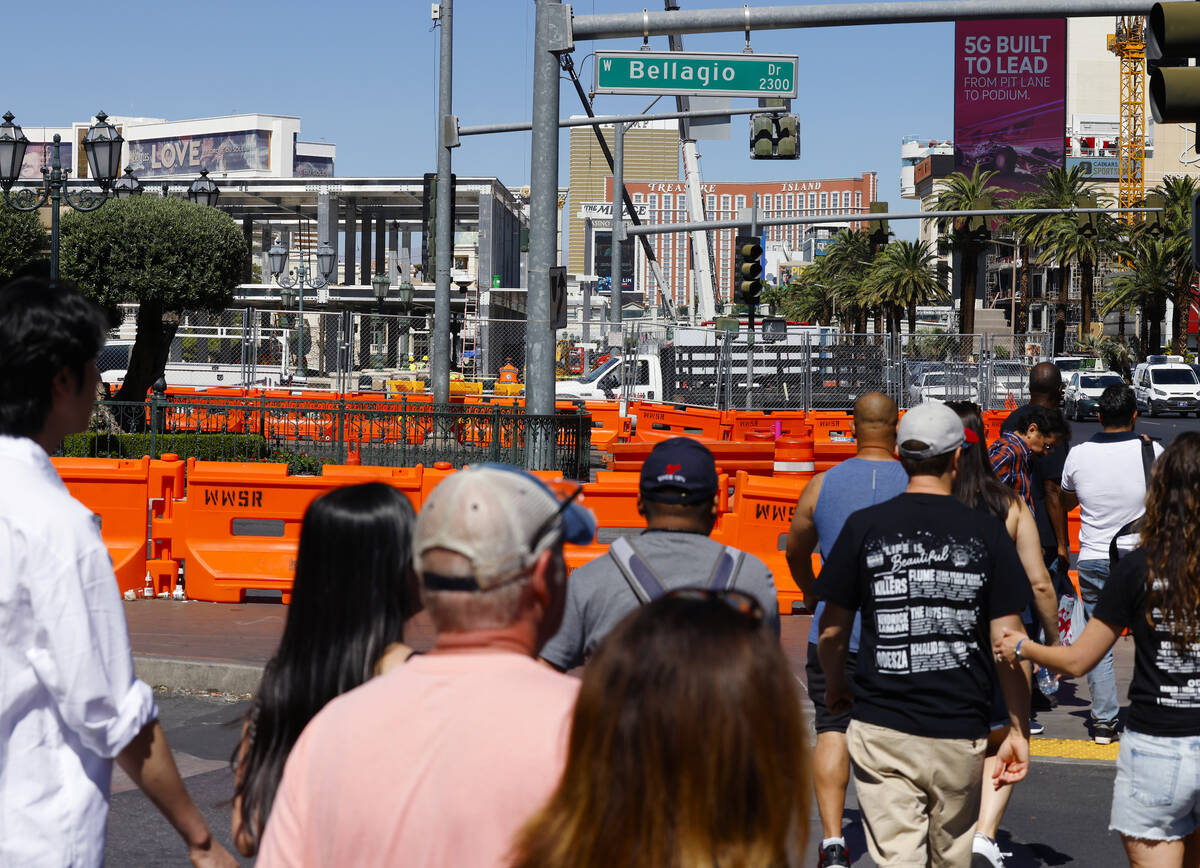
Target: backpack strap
1114,554
642,580
725,571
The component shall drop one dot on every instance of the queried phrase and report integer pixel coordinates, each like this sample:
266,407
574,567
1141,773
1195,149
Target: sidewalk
223,647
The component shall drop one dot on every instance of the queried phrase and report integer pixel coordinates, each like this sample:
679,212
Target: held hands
1005,648
1012,760
211,854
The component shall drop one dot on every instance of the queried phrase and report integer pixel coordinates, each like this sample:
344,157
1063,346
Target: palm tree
845,266
962,192
1146,282
904,276
1083,242
1178,191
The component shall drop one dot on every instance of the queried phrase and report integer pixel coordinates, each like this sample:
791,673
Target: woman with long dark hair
354,590
976,485
688,747
1154,592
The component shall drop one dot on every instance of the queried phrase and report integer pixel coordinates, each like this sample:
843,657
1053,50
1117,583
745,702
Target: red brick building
667,203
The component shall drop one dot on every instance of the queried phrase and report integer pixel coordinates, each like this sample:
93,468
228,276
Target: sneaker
1036,728
985,852
833,855
1104,731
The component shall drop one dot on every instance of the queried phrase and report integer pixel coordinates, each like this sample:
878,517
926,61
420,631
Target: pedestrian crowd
641,713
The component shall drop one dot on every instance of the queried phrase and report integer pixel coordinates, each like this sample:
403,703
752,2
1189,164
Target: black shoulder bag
1134,526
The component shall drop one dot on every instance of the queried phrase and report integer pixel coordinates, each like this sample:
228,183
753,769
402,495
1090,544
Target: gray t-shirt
598,595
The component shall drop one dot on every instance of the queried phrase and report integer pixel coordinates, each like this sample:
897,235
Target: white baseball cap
931,423
499,518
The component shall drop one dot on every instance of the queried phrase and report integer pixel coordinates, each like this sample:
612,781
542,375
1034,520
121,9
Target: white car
1170,387
1083,390
1009,377
942,386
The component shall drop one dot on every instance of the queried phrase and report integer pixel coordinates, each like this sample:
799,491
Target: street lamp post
380,284
102,144
298,280
404,295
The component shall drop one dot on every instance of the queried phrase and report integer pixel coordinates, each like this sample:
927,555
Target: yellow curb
1073,748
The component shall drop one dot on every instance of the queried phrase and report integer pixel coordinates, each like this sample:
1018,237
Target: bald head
875,418
1045,381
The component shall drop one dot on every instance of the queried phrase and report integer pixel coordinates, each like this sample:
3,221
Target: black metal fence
306,433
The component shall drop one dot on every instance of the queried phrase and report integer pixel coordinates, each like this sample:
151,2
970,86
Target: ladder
470,334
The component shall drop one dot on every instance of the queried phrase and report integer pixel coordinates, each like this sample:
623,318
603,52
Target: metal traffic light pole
555,32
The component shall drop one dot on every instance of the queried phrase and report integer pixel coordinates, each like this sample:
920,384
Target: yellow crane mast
1129,44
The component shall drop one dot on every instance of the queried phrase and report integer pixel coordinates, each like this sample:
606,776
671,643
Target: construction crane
1129,44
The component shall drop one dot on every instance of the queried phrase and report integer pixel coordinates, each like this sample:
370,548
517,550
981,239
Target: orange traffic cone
794,457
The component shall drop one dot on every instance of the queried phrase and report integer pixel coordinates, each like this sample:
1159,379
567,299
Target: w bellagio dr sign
677,72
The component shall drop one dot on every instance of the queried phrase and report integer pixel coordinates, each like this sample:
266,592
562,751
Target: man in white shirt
69,702
1106,477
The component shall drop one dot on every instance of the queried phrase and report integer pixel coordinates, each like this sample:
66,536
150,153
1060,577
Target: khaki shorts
919,796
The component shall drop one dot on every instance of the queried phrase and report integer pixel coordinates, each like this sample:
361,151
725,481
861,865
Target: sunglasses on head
740,602
545,526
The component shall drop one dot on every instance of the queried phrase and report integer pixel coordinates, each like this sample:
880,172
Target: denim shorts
1156,795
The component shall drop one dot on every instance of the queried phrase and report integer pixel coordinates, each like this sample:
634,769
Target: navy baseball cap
679,470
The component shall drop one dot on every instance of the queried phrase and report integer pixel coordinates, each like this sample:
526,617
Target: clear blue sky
364,75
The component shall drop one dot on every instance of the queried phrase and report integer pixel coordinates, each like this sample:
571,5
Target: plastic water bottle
1046,682
148,591
179,593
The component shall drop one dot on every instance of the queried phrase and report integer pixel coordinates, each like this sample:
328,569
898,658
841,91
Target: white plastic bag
1071,618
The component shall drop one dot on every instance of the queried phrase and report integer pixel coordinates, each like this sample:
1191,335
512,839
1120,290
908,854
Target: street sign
558,297
696,74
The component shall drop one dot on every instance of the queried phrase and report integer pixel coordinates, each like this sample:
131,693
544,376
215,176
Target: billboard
308,166
245,150
1010,87
1095,168
602,266
39,154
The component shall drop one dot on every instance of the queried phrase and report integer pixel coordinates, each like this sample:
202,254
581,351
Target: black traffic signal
429,207
1085,222
774,137
747,270
879,228
1173,36
762,137
1196,231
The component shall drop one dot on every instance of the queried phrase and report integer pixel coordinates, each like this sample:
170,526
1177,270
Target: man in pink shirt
439,762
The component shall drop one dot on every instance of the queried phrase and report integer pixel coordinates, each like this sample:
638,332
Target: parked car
943,386
1083,392
1009,377
1170,387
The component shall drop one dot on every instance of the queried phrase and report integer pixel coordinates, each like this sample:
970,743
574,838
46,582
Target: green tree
967,235
1146,282
1178,191
167,255
904,276
844,269
1060,238
22,238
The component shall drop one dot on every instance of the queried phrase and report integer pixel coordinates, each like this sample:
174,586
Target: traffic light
429,207
747,270
1086,222
1173,37
774,137
787,143
879,228
762,137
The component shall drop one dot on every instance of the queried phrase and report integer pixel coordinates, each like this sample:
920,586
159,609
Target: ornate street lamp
297,282
127,185
204,190
380,284
102,145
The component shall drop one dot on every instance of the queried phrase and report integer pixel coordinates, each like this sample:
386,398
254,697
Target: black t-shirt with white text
1164,695
928,574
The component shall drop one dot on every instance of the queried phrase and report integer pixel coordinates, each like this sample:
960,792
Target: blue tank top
848,487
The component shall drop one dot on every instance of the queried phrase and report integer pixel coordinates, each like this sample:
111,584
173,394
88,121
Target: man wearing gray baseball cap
440,761
935,582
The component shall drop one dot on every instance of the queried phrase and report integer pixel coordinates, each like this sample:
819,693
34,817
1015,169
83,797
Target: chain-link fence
818,370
